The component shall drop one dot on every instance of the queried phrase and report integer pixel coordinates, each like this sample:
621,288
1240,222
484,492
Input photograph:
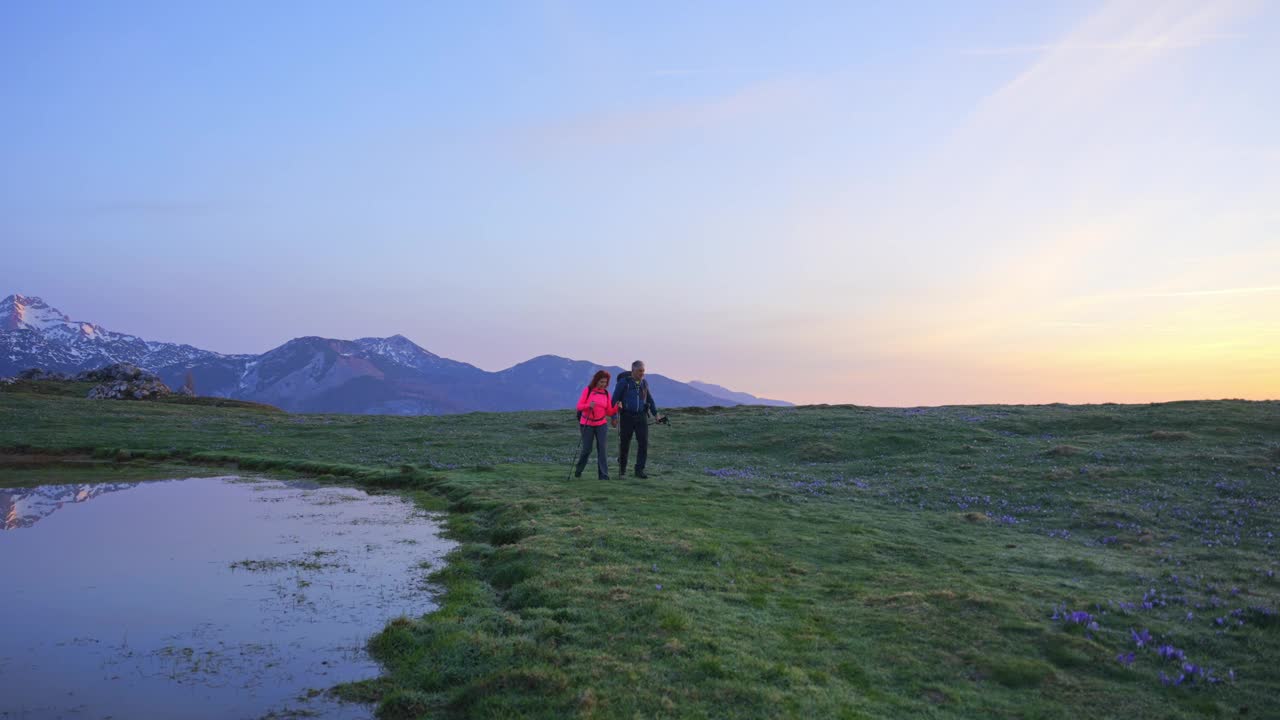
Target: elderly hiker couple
632,402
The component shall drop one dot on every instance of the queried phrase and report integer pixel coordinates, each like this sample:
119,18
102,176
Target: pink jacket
603,409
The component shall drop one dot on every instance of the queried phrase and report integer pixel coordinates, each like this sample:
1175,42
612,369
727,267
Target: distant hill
549,378
739,398
383,376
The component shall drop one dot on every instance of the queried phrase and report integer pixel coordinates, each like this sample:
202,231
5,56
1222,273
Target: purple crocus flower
1080,617
1169,652
1125,660
1141,639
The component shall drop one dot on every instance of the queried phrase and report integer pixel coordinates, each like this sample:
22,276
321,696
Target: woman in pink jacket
594,411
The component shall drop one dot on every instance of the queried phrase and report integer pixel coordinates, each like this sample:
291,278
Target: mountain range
383,376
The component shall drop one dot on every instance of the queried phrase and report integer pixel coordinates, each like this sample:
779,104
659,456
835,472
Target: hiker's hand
613,422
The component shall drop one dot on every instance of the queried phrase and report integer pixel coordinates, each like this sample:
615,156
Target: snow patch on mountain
19,312
35,334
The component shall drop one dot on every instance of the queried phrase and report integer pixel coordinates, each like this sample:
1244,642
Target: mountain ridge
368,375
741,398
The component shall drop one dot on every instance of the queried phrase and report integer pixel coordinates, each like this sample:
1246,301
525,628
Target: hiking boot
641,474
603,477
622,471
577,473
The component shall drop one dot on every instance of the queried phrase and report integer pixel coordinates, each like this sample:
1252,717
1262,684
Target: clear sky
890,203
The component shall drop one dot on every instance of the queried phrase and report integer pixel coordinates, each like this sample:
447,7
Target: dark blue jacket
634,395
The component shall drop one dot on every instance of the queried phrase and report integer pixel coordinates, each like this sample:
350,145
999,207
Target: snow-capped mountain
34,334
24,507
384,376
24,313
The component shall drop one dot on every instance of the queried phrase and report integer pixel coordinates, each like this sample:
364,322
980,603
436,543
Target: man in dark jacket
637,404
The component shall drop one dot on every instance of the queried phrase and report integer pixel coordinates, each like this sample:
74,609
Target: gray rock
141,389
118,372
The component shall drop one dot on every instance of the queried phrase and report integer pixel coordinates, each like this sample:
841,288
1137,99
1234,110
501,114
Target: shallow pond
201,598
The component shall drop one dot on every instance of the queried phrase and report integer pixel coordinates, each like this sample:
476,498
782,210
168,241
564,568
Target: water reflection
210,597
24,507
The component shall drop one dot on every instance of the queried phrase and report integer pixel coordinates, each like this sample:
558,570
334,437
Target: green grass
28,471
74,389
813,562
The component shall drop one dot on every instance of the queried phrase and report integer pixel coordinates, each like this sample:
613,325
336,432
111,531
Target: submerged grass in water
832,562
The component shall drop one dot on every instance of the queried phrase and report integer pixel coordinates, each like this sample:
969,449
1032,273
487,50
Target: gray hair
637,365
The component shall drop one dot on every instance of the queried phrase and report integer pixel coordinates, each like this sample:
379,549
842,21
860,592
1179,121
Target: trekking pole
574,462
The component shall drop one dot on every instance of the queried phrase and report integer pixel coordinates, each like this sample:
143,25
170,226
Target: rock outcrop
118,371
123,381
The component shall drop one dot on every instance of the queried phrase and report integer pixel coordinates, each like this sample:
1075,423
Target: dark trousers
594,436
638,424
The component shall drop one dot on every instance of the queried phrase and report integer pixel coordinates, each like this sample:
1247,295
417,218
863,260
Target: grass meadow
1104,561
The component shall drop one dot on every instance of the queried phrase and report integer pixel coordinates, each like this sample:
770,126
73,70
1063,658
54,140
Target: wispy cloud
1104,53
1148,45
1220,291
148,207
677,72
758,100
693,72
